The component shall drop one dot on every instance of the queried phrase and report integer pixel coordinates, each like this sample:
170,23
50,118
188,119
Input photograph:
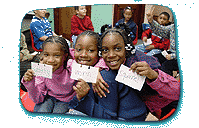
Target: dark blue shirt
132,25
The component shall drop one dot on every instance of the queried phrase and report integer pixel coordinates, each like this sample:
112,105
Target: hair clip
128,47
129,8
133,51
99,33
99,53
109,26
117,25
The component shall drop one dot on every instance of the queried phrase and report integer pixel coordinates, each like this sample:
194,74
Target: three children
122,103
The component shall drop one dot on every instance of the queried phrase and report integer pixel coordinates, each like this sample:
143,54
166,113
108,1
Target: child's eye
57,55
45,55
90,50
117,48
104,50
78,49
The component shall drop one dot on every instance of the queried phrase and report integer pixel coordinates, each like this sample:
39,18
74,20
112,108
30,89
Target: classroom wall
100,15
51,17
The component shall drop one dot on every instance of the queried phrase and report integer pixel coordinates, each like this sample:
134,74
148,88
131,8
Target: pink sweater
60,86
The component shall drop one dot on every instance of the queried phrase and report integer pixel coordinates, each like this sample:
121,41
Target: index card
148,42
42,70
130,78
87,73
164,53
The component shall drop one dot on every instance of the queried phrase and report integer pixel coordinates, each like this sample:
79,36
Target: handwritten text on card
130,78
42,70
87,73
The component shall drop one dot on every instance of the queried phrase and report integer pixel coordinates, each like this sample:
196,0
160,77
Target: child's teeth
113,62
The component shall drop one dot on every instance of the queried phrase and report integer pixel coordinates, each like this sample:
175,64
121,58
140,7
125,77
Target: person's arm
90,26
145,35
163,31
36,89
164,44
38,30
166,85
54,34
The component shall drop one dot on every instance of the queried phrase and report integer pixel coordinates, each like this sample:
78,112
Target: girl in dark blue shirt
127,19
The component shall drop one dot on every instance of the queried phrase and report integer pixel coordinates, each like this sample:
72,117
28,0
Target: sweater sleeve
166,85
146,33
163,31
90,25
75,26
164,44
36,89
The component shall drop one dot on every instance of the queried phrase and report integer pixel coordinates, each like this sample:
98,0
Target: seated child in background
169,63
24,53
40,28
158,43
127,14
80,23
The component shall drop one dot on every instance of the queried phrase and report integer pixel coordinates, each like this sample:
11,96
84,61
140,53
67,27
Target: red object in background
26,101
168,115
32,42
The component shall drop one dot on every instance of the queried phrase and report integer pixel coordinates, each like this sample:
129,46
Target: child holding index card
158,43
169,61
52,95
123,102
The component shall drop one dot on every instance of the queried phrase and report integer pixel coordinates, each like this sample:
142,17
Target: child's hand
99,85
143,69
168,57
144,39
81,89
29,75
150,47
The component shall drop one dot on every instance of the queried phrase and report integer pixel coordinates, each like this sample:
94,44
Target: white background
12,13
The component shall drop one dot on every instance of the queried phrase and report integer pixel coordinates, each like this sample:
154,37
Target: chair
33,45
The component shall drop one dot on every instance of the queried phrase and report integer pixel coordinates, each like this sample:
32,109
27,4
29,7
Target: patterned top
40,28
167,32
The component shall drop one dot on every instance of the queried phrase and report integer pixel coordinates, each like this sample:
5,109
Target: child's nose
51,59
84,54
111,54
